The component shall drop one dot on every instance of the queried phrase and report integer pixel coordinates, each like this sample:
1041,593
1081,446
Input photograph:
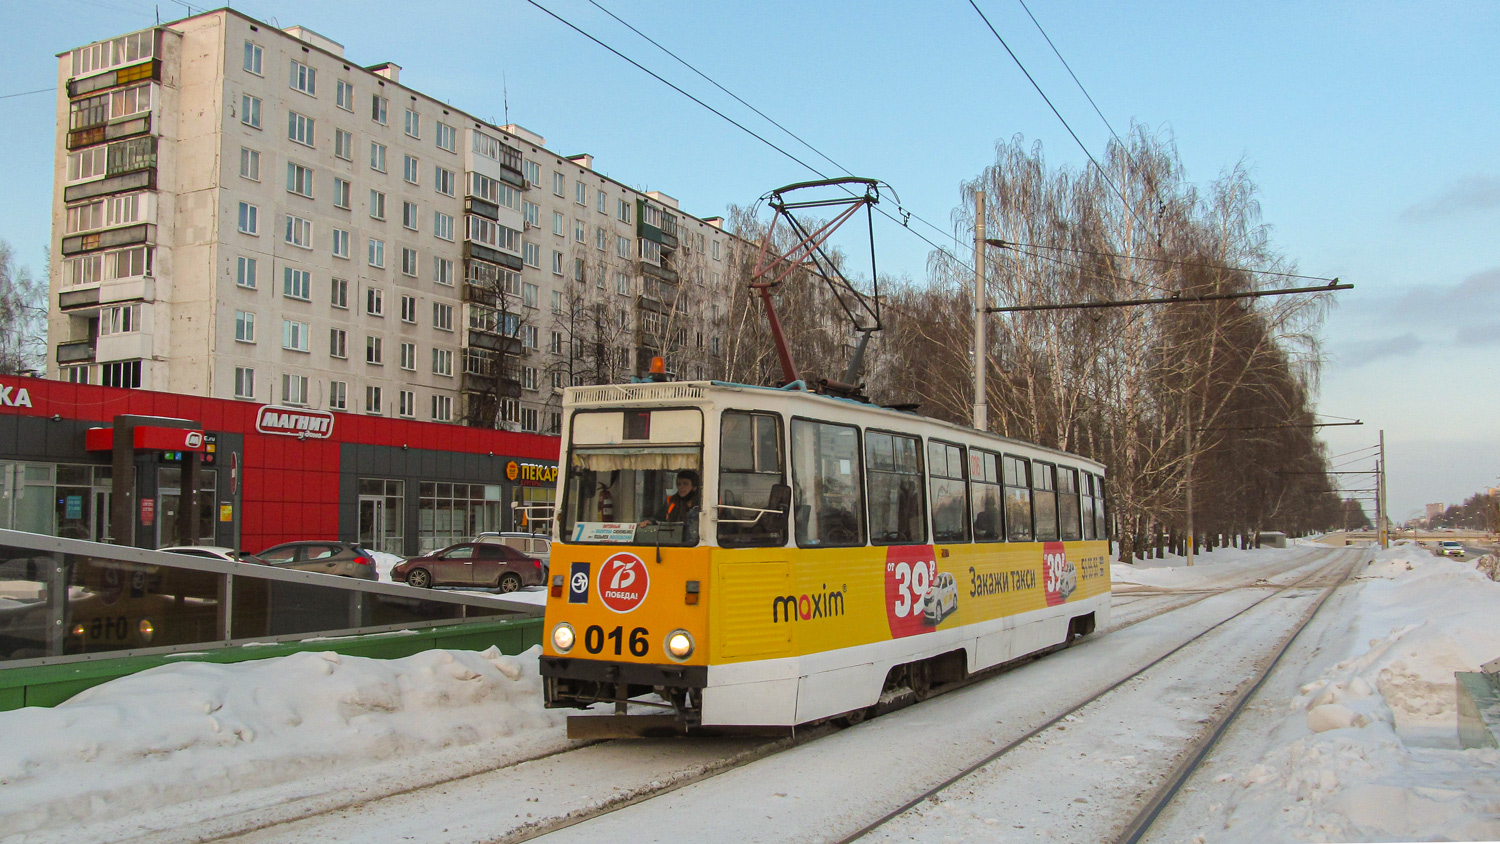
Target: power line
1070,72
1172,300
1063,120
28,93
1080,251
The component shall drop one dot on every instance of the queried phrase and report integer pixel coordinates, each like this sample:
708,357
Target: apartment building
241,212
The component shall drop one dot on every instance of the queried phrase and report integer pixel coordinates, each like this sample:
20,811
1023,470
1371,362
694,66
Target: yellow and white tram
836,551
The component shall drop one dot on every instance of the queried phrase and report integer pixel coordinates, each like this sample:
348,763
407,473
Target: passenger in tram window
987,523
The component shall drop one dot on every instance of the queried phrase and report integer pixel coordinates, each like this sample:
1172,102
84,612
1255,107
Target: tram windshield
634,478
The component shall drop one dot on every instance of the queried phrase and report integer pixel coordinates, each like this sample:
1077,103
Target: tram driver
681,506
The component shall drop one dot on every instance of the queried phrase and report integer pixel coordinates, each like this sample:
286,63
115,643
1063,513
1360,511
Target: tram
737,556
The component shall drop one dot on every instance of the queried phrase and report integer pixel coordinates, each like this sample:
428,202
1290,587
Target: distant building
1435,510
241,212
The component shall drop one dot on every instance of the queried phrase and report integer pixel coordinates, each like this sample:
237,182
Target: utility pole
1380,532
981,405
1190,542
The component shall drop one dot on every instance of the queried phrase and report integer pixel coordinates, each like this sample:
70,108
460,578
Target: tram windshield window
753,496
827,491
985,490
1067,504
1018,499
895,466
1044,501
634,478
950,511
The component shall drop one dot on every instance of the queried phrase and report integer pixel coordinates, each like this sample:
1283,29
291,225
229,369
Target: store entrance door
371,522
99,518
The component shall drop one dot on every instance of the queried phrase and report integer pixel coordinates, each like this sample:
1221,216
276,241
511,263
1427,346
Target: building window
580,231
442,225
622,246
442,362
294,389
447,138
338,343
623,210
304,78
442,271
408,403
121,319
124,373
601,239
442,408
249,219
253,57
409,168
578,273
622,284
409,262
374,351
372,400
338,395
294,335
343,144
532,214
442,316
377,108
299,180
244,272
413,124
528,377
443,180
340,243
250,164
375,301
299,128
339,295
409,356
244,327
250,111
530,336
557,301
557,380
296,284
377,204
528,295
533,172
377,253
559,181
377,156
557,224
409,215
557,263
244,382
716,250
340,193
581,193
298,232
408,308
531,254
343,95
603,202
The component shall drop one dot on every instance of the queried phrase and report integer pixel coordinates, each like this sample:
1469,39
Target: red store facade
264,474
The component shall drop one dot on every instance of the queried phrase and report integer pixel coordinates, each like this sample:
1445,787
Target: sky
1369,128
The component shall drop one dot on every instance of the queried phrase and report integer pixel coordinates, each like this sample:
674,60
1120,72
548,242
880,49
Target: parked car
488,564
1450,548
538,545
214,552
324,556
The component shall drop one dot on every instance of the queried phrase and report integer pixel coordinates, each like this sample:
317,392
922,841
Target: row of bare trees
1214,395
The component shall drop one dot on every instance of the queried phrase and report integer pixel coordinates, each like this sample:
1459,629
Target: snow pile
1208,568
1369,750
197,730
384,562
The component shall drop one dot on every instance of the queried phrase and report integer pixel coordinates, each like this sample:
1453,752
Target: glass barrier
57,603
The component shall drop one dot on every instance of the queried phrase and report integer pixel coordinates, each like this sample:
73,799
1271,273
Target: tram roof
692,392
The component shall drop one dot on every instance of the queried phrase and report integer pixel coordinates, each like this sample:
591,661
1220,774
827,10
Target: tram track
560,812
1141,822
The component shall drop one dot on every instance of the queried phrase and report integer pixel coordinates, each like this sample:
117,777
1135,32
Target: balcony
111,239
488,372
80,351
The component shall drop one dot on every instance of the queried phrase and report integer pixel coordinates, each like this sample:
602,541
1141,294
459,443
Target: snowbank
384,562
197,730
1207,571
1368,750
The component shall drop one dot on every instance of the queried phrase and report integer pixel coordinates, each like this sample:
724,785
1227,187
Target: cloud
1477,296
1470,193
1365,352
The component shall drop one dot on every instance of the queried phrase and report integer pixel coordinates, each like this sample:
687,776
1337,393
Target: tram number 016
640,643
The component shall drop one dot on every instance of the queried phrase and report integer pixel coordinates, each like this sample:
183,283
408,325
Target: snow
384,562
1353,738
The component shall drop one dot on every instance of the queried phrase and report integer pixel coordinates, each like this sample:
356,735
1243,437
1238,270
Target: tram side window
894,463
1069,528
1088,506
985,492
827,491
1101,524
751,481
1044,501
950,507
1018,499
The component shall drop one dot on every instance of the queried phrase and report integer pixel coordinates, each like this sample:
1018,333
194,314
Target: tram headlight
562,638
679,645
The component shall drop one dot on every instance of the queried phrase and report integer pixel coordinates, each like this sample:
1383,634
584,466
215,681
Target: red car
472,564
